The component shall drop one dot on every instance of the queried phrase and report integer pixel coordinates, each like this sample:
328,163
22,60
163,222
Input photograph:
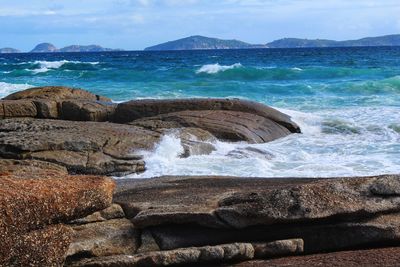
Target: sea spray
215,68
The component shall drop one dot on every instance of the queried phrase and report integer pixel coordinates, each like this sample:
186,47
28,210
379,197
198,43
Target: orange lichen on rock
31,210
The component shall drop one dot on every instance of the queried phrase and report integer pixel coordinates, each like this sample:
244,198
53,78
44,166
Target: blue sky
135,24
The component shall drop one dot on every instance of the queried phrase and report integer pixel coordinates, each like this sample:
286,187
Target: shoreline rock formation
56,211
88,134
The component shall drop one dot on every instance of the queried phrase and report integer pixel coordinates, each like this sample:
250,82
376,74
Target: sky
136,24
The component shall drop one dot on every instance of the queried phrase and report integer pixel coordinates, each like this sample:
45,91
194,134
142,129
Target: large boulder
56,93
57,102
137,109
224,124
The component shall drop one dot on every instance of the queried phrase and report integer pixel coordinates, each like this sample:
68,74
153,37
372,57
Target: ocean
346,101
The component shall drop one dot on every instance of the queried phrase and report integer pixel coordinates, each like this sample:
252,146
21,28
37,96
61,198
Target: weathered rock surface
209,254
113,212
81,147
137,109
111,237
42,247
30,168
55,93
241,203
224,124
31,208
110,148
90,147
28,204
57,102
278,248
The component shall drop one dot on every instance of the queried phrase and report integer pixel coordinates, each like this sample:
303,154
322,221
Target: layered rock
116,145
328,214
57,102
137,109
82,147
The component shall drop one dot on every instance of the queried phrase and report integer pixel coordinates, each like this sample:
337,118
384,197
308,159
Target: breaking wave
215,68
9,88
333,143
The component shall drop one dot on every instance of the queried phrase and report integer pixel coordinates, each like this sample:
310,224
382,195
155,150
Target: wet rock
209,254
137,109
250,152
225,124
111,237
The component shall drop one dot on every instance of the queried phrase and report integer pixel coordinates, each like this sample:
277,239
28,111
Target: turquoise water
347,101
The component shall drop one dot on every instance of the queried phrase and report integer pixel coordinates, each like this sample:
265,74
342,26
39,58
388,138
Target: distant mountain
86,48
8,50
387,40
50,48
44,48
200,42
296,42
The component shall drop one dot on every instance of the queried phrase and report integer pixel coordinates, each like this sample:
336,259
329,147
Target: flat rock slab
243,202
81,147
111,237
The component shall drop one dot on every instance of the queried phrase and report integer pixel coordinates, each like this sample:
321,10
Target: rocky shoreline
59,208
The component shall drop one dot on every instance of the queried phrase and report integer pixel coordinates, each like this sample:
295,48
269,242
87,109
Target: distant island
50,48
200,42
8,50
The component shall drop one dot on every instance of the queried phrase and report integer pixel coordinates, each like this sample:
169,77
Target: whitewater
346,101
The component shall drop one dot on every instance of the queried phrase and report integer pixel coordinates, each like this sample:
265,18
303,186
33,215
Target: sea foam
315,153
9,88
215,68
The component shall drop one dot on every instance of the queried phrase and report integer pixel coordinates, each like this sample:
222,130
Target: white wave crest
45,66
215,68
9,88
371,149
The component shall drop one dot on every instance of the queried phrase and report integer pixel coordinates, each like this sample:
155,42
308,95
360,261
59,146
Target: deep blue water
347,101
